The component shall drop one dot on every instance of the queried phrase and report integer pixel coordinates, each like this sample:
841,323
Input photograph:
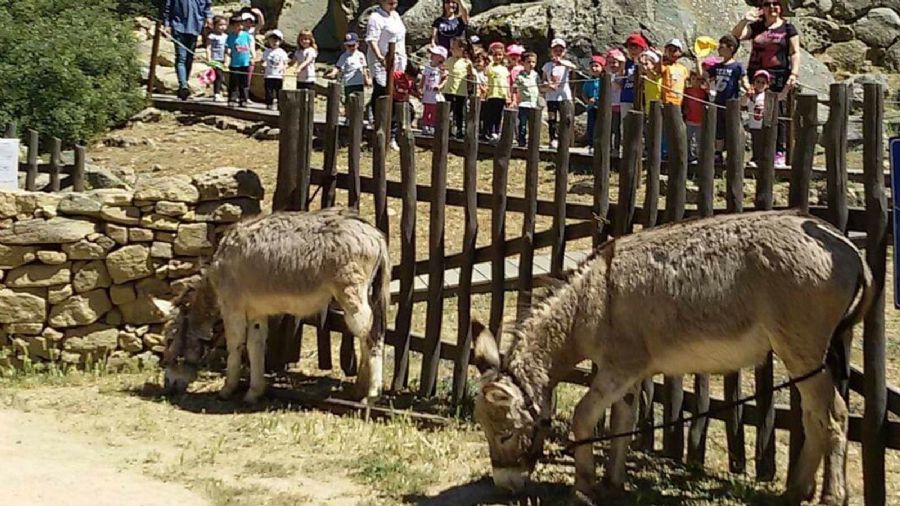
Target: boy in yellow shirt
497,94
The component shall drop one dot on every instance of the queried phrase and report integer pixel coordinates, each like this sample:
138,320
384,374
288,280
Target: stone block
146,309
129,263
161,250
228,182
159,222
182,267
121,215
130,342
140,235
80,309
114,317
89,250
122,294
164,236
117,233
112,196
25,329
21,306
15,256
227,211
152,287
53,231
173,209
52,257
169,188
39,275
193,239
80,204
91,276
57,294
98,339
52,335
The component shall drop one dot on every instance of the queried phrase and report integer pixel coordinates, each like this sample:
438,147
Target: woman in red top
693,112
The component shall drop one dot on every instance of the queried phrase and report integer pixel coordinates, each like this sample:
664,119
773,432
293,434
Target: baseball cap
275,33
762,73
676,43
351,38
598,58
616,54
438,50
637,39
496,45
652,56
558,42
711,61
515,49
248,17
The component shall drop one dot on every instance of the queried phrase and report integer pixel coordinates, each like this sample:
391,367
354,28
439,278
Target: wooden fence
74,172
599,220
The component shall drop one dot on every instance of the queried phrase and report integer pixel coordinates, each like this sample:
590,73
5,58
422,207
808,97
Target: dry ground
220,453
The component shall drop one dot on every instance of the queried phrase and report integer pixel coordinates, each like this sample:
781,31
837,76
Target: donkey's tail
837,359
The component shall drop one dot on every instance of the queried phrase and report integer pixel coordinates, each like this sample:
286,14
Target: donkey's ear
487,356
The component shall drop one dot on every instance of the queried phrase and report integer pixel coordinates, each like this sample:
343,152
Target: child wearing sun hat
556,76
434,75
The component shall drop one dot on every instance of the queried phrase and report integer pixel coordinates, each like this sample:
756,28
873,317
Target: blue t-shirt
727,81
240,45
627,96
591,89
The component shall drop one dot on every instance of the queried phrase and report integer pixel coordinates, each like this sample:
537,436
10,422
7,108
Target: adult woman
451,24
776,49
384,26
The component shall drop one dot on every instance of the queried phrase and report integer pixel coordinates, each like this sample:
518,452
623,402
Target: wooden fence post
526,259
676,133
11,131
806,130
154,55
403,323
78,170
734,201
288,151
874,384
628,173
696,451
499,183
379,156
432,353
561,187
601,160
355,112
34,147
389,81
55,163
764,374
470,236
307,131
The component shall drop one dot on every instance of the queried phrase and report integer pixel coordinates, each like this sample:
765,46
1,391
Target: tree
68,68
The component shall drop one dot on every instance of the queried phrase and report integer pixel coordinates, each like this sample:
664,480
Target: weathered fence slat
464,335
696,450
33,153
154,54
526,260
499,184
734,201
288,151
628,172
403,323
561,185
308,114
379,156
55,163
432,355
78,170
676,133
601,162
875,387
355,111
11,130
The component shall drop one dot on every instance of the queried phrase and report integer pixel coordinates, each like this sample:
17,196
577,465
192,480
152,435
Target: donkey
703,296
283,263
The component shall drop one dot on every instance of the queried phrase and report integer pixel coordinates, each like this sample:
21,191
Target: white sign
9,164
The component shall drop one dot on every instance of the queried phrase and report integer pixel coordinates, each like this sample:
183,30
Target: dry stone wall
87,276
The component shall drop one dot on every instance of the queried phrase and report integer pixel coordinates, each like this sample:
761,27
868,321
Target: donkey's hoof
831,500
226,393
252,397
795,497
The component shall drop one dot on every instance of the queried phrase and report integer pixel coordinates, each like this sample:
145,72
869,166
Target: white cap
652,56
438,50
275,33
558,42
676,43
248,17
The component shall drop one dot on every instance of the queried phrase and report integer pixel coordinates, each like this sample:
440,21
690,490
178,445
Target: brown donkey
284,263
703,296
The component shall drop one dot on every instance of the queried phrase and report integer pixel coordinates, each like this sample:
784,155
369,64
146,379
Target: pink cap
615,54
496,45
515,50
711,61
598,58
762,73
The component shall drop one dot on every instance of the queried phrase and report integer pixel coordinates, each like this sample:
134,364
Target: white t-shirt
216,43
382,29
276,60
558,74
308,74
757,108
431,78
351,66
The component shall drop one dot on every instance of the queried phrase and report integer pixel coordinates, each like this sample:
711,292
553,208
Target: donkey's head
188,334
510,418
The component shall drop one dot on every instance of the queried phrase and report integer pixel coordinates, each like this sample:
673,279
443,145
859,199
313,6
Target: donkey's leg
257,332
358,315
235,324
834,490
624,414
608,386
816,395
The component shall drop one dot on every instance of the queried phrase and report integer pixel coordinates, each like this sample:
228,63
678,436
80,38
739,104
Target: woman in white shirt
385,26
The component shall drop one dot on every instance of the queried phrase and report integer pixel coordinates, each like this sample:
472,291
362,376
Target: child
352,66
755,102
433,78
215,52
674,74
650,62
615,60
405,84
692,107
456,89
635,45
496,94
482,61
251,18
240,50
556,76
275,60
514,54
528,93
305,58
724,84
591,91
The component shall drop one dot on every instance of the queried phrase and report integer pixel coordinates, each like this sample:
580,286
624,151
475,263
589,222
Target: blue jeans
591,121
185,44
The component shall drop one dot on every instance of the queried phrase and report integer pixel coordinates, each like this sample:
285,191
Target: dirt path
43,465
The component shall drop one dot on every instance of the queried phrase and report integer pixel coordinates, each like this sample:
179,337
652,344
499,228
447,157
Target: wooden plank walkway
579,156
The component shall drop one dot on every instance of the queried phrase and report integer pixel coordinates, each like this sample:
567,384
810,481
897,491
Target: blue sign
894,150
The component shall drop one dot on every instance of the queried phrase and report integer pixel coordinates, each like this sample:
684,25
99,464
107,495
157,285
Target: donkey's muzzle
177,378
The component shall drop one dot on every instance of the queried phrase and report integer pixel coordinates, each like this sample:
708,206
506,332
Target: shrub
68,68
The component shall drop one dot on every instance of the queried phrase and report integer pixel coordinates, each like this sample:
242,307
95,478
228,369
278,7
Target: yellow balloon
704,45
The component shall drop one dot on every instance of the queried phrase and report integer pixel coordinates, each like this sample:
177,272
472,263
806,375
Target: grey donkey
703,296
283,263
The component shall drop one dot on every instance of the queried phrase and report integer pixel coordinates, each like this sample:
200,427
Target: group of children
507,77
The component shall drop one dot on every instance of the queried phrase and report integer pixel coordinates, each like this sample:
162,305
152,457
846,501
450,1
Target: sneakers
554,144
394,145
494,138
780,159
272,107
590,149
218,97
184,93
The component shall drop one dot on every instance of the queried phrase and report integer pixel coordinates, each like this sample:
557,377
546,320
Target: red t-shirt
403,86
693,110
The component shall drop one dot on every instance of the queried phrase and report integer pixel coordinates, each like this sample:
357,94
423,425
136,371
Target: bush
68,68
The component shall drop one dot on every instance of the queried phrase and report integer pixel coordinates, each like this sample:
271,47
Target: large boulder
849,56
228,182
418,20
891,59
53,231
329,20
878,28
21,306
82,309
